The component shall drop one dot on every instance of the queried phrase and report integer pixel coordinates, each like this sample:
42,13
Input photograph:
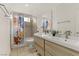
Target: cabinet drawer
38,39
59,50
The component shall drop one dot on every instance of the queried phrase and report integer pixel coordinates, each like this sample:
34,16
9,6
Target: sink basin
71,40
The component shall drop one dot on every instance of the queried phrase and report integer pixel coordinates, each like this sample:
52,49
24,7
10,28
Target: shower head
4,9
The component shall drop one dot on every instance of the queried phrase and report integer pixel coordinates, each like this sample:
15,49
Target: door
4,36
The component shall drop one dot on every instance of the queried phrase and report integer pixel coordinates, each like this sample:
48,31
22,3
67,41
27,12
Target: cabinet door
58,50
47,53
40,51
49,50
39,41
39,45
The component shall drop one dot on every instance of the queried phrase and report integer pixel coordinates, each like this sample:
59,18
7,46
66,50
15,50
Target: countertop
72,42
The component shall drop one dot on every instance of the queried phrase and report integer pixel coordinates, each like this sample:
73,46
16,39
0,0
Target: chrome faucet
67,33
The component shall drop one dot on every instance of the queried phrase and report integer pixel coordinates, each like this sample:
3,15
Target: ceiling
35,9
43,9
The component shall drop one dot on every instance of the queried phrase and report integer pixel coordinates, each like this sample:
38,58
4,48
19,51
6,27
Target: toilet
29,42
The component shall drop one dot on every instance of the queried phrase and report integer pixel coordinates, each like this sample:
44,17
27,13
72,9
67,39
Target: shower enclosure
23,28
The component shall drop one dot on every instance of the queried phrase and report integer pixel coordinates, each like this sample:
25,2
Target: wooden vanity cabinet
48,48
57,50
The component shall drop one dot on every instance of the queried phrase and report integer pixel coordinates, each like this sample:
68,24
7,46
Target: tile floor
23,51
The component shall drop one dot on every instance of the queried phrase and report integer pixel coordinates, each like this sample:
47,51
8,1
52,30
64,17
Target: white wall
67,12
4,35
77,19
39,24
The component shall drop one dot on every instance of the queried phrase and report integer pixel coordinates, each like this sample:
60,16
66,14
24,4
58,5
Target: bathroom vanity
53,46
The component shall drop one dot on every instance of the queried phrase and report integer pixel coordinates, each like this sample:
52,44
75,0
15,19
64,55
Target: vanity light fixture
26,5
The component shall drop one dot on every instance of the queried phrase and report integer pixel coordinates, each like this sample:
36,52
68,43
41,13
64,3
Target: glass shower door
18,29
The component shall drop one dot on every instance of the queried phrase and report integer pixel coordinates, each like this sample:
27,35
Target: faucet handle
77,32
